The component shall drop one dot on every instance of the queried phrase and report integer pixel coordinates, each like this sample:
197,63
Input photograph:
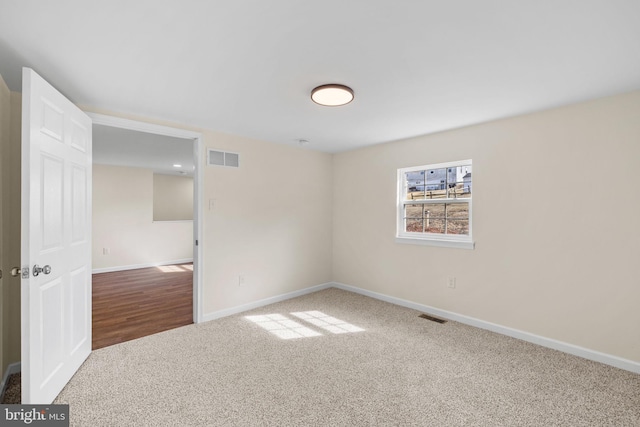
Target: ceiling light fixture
332,95
177,166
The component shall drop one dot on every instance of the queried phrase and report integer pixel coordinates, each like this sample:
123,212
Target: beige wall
123,221
5,137
270,221
10,122
554,219
172,197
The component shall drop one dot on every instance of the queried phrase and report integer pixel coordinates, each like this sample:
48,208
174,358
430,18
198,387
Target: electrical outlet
451,282
106,251
241,280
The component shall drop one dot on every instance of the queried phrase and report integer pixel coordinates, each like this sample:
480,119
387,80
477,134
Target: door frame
117,122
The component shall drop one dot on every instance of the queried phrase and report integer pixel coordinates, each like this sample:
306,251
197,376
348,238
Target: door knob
15,271
37,270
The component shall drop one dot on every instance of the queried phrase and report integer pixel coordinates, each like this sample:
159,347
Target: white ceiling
247,66
123,147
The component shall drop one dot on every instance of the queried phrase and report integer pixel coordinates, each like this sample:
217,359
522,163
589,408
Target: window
434,205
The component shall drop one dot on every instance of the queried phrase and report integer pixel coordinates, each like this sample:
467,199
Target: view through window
435,202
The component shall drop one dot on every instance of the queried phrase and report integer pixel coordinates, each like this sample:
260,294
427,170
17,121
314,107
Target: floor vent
433,319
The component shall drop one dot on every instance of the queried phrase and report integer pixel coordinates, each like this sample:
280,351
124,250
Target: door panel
78,204
52,186
79,319
56,232
51,325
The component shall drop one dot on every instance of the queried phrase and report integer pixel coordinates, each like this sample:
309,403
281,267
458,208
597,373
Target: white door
56,239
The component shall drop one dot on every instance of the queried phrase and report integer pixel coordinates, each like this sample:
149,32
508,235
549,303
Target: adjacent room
142,234
375,214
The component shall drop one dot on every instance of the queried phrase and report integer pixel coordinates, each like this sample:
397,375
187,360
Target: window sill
436,242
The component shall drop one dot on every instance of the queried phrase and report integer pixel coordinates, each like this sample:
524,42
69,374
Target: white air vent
221,158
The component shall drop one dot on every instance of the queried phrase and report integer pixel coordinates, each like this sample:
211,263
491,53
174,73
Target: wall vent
222,158
433,319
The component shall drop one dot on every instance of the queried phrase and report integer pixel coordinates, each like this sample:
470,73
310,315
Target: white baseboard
13,368
136,266
261,303
607,359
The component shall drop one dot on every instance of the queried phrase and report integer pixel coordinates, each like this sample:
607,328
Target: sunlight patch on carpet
282,327
326,322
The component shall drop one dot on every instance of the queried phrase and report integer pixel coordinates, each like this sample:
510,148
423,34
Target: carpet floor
335,358
12,391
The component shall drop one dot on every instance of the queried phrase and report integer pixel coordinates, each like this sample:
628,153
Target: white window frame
431,239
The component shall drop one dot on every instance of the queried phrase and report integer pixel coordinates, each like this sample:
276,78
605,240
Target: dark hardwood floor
136,303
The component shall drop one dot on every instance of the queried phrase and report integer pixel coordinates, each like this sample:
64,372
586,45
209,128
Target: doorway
138,257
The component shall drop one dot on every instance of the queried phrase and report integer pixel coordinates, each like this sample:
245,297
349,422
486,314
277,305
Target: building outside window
435,204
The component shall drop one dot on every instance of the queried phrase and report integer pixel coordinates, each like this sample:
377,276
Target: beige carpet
12,391
400,370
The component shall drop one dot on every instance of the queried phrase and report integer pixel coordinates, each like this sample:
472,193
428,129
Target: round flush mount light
332,95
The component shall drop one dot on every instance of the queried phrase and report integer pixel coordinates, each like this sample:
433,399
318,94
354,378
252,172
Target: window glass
435,202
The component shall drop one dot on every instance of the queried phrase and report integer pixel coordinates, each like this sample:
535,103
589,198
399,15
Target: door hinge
196,243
